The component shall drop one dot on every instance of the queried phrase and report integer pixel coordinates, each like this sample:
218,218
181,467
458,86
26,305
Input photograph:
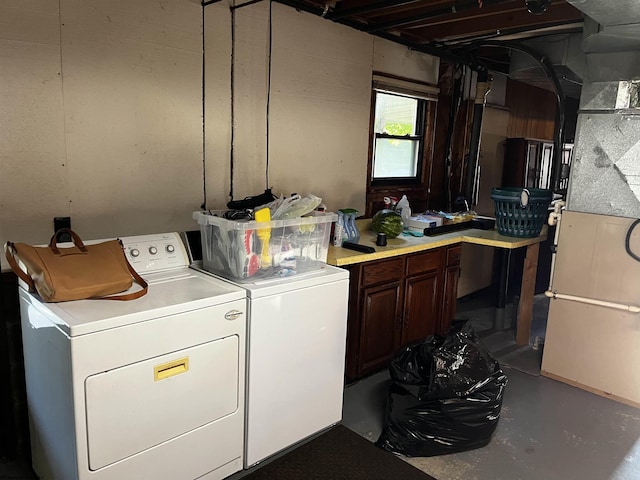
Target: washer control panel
155,252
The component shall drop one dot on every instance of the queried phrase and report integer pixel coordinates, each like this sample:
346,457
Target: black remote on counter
358,247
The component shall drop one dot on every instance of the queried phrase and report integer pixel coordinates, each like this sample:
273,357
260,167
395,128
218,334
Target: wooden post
525,307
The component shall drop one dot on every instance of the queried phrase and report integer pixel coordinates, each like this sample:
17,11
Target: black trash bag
445,396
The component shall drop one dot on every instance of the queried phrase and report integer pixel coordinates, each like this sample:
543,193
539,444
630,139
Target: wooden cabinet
422,293
398,301
381,312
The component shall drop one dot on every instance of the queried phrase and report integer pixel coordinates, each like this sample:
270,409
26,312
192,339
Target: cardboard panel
594,346
592,260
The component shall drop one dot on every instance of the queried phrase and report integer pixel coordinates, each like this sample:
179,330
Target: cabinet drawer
386,271
424,262
453,256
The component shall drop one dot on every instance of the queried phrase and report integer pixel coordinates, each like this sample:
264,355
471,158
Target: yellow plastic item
264,234
170,369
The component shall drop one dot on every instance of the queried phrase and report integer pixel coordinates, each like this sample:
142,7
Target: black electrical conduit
628,238
232,103
456,97
547,67
474,63
233,9
203,206
476,133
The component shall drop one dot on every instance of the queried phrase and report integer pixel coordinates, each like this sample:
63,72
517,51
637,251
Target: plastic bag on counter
293,206
445,397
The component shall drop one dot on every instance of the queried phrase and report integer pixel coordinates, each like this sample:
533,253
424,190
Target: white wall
319,103
101,116
318,107
33,171
102,111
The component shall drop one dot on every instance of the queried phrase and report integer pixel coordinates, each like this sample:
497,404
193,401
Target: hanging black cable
470,184
204,150
628,238
232,112
268,94
453,114
549,71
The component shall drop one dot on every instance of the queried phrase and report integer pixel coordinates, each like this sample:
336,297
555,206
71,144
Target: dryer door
133,408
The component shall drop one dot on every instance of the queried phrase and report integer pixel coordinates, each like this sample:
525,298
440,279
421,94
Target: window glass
396,115
395,158
398,128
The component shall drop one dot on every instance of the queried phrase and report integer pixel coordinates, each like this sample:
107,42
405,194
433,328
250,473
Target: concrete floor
547,430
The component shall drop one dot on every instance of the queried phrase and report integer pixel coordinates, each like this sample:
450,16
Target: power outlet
62,222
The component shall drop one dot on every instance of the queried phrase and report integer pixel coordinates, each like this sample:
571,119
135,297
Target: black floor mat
338,454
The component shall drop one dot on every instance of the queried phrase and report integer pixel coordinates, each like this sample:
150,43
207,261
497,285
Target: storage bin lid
215,217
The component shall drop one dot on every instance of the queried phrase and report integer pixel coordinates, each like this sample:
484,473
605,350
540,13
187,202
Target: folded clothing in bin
445,397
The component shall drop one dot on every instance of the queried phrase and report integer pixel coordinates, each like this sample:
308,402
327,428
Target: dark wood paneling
445,180
532,111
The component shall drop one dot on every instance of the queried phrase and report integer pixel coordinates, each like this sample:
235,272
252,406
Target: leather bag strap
130,296
10,253
77,241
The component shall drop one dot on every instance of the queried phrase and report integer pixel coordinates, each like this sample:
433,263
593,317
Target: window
398,137
403,117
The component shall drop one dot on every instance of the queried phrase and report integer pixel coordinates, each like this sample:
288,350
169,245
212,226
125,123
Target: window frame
421,114
417,188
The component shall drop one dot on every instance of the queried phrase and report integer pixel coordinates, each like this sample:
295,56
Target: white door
296,358
138,406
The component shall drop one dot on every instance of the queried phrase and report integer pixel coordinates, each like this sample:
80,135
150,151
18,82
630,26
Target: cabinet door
381,324
421,307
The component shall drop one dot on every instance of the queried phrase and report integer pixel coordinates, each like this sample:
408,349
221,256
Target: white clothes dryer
149,388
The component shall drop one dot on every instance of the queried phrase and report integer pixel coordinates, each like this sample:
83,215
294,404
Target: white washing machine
151,388
296,344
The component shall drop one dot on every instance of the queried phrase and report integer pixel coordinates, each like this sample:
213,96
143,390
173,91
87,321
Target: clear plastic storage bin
246,250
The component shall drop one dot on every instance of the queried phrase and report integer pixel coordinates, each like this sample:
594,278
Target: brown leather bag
75,273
